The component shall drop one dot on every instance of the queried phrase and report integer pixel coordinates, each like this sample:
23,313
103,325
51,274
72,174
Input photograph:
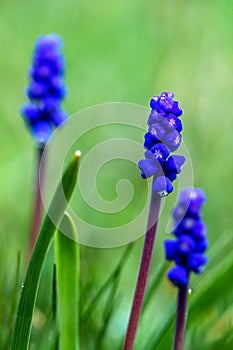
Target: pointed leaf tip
77,154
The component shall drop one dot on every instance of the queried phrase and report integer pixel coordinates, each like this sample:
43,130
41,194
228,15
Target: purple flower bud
147,167
41,73
162,186
160,152
57,87
175,163
157,131
30,112
173,140
166,101
150,141
178,275
155,105
41,132
193,199
37,90
196,262
176,109
171,122
170,249
50,104
201,245
170,175
58,117
179,212
185,245
154,117
199,230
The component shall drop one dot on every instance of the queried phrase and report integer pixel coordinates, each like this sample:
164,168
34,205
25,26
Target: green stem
67,276
29,291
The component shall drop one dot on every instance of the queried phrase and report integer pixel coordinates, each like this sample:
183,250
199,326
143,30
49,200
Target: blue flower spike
162,138
187,251
46,90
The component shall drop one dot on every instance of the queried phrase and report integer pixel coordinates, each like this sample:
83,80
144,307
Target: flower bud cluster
46,88
187,251
162,138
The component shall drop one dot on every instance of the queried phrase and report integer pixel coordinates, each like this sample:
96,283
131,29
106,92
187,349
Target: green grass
123,51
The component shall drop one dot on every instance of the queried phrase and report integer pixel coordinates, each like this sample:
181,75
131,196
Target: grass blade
116,272
13,303
67,284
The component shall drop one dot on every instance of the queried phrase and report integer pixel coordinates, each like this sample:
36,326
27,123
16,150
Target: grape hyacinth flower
43,112
46,88
187,251
162,138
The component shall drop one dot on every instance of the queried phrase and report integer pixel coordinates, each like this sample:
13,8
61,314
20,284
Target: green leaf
85,315
67,284
13,302
30,289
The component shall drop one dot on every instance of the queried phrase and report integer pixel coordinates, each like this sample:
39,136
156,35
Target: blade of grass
110,306
48,336
67,276
154,285
91,306
54,304
29,291
13,303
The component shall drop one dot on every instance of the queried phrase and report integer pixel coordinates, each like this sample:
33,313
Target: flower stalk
38,205
143,271
181,317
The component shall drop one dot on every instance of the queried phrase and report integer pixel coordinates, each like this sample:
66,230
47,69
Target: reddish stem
143,272
38,206
181,318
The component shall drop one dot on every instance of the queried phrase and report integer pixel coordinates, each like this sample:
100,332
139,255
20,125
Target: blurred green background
127,51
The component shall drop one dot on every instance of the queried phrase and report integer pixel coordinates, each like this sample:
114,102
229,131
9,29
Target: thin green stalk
67,284
29,291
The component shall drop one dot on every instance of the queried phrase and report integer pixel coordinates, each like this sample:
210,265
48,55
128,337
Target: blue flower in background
162,138
46,88
187,251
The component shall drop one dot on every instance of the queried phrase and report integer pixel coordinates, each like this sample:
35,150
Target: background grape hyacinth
162,138
188,249
46,88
